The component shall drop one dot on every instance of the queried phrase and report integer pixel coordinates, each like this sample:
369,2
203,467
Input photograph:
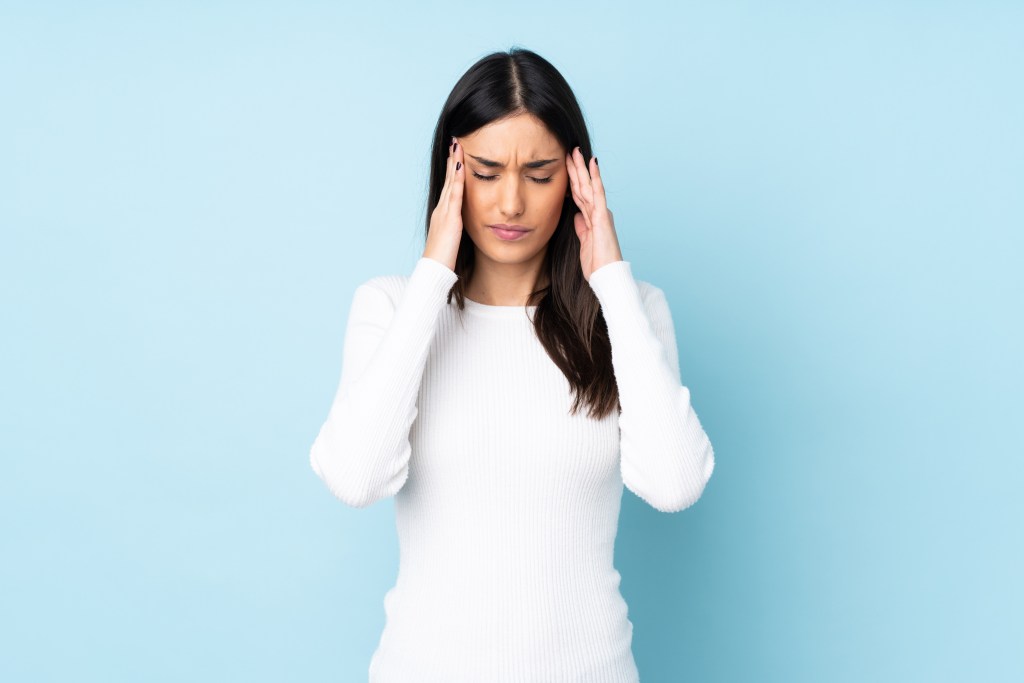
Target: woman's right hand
445,232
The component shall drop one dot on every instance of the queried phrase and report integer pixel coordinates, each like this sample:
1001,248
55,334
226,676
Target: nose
510,196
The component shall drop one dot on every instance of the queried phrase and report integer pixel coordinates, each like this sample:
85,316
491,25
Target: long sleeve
362,450
666,457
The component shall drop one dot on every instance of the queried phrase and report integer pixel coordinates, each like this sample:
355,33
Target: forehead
520,135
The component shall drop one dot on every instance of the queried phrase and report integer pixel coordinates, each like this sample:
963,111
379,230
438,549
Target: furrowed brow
530,164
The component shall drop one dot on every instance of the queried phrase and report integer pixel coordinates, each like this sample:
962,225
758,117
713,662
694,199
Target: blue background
829,193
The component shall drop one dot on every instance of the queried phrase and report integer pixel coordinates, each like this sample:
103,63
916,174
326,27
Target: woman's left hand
595,227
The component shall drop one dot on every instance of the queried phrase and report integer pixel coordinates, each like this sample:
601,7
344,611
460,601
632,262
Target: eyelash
492,177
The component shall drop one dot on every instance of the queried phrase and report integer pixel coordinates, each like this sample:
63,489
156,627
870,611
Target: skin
507,271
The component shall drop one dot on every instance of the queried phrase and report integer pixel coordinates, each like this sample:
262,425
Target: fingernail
595,161
455,147
458,165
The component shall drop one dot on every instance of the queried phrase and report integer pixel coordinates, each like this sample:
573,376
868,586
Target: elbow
355,486
679,502
691,488
695,488
341,487
354,498
348,490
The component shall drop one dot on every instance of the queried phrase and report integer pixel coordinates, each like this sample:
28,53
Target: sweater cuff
431,278
615,287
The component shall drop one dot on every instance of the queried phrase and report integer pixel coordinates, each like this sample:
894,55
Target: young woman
462,393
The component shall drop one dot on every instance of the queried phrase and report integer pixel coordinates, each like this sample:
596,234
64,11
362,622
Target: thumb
580,223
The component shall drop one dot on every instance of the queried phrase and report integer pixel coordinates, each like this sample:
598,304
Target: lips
508,234
506,226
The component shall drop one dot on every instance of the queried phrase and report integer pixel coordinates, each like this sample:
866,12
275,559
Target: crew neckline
498,311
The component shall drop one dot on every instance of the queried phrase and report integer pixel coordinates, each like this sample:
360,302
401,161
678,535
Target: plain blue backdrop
830,193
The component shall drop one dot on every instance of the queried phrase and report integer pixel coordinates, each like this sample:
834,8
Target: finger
570,171
459,177
458,163
443,198
584,208
580,203
600,201
574,182
449,171
578,173
574,186
583,175
582,229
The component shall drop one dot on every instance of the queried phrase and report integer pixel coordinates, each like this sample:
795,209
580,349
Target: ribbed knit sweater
506,506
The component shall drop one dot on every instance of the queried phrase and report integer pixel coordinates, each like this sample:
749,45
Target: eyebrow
530,164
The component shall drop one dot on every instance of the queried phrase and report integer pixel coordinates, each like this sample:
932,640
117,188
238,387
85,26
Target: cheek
475,190
556,197
472,196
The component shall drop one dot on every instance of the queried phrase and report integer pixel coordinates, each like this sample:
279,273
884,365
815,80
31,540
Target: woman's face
524,184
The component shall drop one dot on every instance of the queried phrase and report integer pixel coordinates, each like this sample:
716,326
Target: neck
505,284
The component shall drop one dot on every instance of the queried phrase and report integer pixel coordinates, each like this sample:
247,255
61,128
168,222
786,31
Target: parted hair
568,321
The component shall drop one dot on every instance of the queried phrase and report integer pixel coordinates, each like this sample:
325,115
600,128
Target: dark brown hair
568,321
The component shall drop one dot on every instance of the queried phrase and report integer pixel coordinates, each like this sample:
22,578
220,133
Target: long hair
568,321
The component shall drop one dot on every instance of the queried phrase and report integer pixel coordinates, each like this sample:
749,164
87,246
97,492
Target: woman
462,390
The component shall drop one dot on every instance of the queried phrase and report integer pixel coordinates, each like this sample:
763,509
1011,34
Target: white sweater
506,505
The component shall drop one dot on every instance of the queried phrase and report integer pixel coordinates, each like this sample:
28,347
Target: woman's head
512,108
516,118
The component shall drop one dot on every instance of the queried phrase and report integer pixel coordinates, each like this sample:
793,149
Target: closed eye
492,177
